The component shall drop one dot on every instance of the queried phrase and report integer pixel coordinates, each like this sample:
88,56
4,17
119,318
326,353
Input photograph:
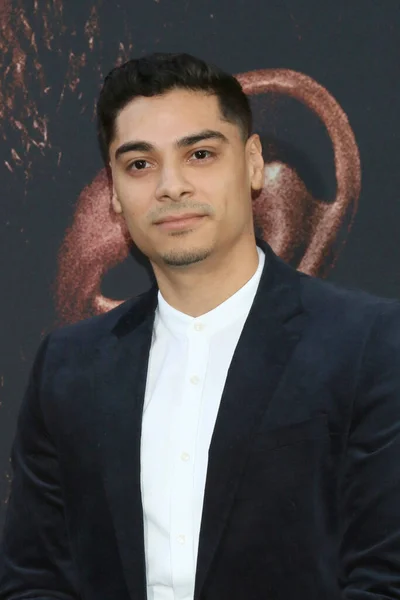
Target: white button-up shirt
188,365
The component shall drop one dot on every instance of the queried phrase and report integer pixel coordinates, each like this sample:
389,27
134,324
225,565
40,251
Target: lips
188,221
178,217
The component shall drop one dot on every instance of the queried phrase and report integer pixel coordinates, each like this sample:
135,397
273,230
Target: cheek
217,186
234,195
135,201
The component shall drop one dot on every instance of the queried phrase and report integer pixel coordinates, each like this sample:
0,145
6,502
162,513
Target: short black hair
158,73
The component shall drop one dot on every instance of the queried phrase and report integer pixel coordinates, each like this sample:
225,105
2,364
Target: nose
173,184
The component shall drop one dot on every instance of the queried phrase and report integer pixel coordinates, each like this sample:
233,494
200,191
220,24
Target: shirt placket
184,463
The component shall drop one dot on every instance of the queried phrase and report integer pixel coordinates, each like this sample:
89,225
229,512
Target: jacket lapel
267,341
120,384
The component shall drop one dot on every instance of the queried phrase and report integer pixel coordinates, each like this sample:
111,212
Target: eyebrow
189,140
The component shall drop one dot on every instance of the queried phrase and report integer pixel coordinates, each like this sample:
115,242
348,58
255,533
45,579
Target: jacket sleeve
370,550
35,558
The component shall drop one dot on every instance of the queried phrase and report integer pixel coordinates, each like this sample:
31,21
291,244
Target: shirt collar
180,324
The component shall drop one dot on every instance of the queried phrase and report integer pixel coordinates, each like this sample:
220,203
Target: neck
205,285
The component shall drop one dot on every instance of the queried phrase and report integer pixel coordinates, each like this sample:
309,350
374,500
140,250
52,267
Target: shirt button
194,379
198,326
185,456
181,539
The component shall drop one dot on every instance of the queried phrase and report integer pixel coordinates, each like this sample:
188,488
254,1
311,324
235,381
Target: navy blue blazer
302,495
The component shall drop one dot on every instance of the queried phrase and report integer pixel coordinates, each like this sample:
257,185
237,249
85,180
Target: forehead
163,119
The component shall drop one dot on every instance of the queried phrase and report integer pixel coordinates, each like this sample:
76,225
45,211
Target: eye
202,154
137,165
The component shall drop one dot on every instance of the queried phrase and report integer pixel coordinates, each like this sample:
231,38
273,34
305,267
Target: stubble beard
182,257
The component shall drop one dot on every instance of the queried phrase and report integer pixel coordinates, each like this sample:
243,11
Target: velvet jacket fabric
302,496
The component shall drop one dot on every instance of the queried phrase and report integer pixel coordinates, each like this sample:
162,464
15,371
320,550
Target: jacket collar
278,283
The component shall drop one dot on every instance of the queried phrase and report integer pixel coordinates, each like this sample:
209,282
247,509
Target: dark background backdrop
49,152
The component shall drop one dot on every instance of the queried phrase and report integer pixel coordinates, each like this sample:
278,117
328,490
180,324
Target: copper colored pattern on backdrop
96,241
47,53
289,216
23,70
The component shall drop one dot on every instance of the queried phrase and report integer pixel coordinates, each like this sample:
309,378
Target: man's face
173,155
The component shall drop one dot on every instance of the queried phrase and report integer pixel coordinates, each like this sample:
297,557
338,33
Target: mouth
179,222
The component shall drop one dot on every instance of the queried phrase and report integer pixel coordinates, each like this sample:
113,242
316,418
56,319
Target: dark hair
158,73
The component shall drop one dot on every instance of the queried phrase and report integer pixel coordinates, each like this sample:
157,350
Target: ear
255,162
116,204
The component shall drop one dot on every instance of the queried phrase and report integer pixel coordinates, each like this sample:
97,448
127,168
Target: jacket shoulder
342,305
90,331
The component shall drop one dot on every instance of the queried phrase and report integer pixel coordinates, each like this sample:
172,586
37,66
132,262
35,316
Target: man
232,433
